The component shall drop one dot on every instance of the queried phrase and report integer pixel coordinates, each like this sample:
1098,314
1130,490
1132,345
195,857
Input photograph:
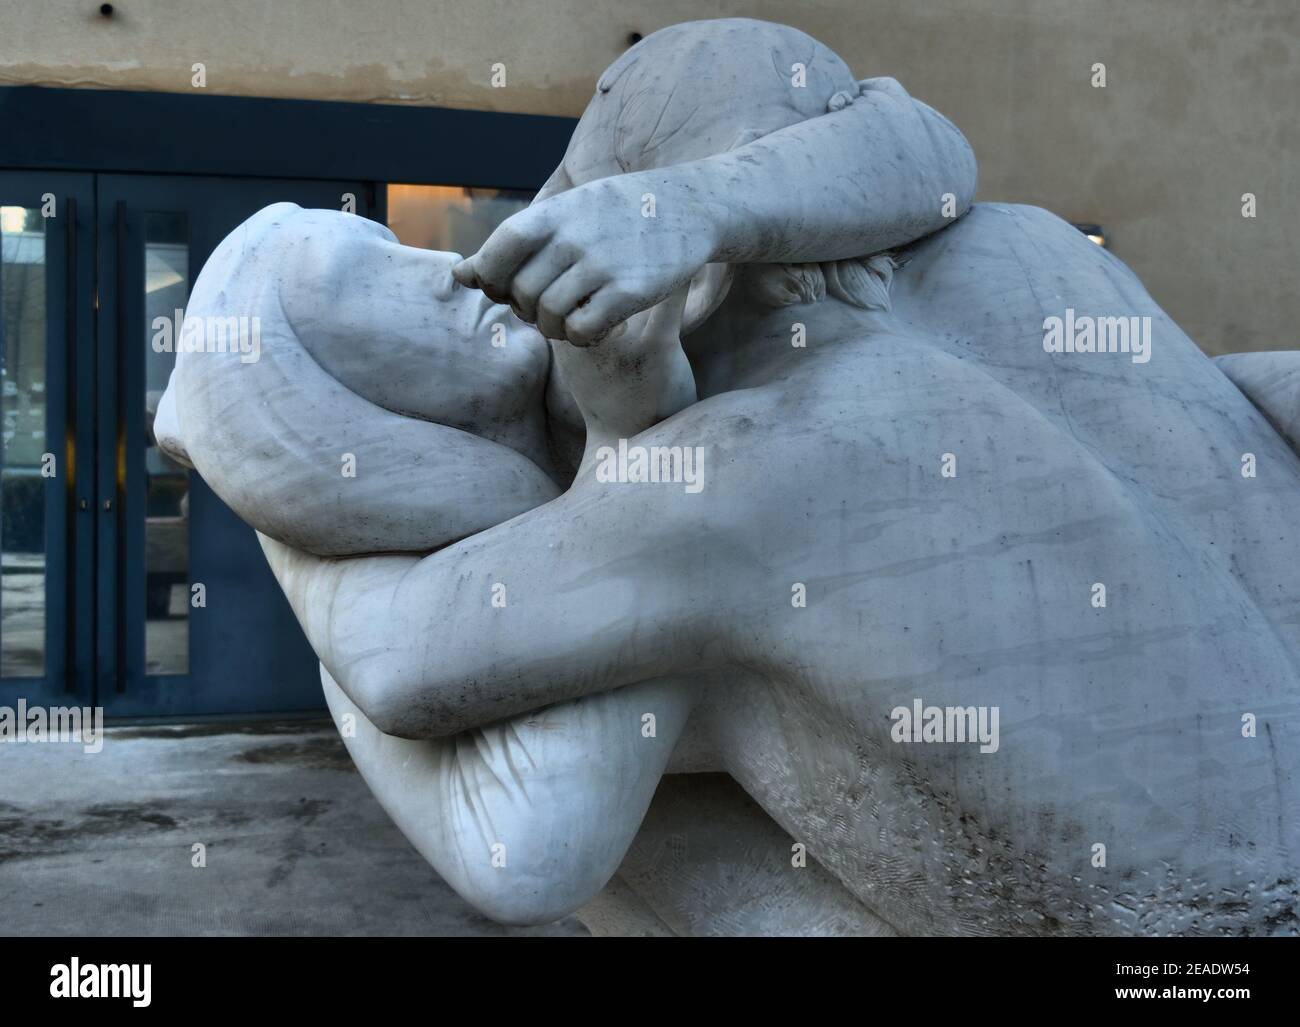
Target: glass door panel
167,483
190,618
22,441
45,341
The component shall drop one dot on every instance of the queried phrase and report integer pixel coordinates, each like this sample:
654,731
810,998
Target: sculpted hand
581,262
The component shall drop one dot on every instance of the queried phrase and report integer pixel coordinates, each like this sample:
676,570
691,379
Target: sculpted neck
744,344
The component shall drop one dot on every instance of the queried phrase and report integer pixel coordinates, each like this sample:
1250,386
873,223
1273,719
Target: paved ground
22,615
101,844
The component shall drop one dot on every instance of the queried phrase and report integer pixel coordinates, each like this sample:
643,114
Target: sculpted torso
915,504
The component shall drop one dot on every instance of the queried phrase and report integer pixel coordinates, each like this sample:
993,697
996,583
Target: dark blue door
46,351
188,618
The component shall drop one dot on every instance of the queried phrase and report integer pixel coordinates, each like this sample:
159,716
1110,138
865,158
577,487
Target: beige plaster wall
1202,101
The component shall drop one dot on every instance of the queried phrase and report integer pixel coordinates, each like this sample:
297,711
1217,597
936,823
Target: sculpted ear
708,289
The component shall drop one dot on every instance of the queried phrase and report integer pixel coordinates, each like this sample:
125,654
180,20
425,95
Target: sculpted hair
860,281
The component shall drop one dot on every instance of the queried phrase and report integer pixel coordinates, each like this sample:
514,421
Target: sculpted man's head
704,88
698,89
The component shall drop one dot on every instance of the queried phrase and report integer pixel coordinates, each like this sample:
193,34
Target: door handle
70,447
119,475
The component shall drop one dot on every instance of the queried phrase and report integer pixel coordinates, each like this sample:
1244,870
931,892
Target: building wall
1200,104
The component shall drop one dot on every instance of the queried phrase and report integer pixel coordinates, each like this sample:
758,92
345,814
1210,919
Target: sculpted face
358,359
913,507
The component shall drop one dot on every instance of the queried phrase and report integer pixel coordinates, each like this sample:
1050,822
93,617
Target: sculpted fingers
544,267
564,295
594,321
507,249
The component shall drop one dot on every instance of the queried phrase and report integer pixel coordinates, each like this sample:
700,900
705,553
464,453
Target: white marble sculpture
892,483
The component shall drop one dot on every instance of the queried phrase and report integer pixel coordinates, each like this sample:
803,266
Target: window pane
167,483
22,423
450,217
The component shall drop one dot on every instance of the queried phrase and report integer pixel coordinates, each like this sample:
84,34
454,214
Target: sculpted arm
880,172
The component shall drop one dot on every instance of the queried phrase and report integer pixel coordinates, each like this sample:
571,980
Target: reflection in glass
450,217
22,431
167,483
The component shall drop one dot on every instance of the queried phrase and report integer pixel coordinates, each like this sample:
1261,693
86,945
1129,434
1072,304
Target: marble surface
908,494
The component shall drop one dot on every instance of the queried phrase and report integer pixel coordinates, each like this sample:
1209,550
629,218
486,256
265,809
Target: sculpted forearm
510,620
881,172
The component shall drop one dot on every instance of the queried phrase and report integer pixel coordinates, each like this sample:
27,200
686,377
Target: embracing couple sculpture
907,502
